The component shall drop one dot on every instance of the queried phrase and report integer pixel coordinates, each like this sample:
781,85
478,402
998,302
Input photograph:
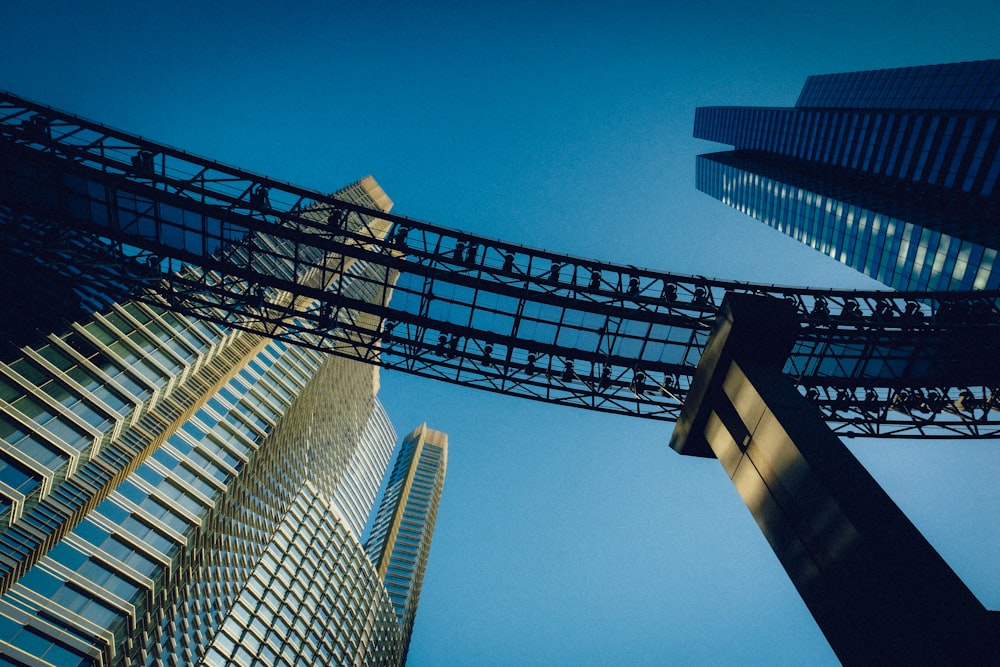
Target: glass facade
972,86
914,149
400,539
172,492
874,236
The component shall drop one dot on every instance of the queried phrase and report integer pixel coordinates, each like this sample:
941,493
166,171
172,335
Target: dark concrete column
877,589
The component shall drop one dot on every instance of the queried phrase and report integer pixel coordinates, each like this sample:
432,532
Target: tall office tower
400,539
174,492
892,172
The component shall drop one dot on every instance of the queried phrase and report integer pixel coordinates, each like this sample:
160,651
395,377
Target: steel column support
878,590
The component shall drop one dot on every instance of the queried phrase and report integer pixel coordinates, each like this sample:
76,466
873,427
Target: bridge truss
132,219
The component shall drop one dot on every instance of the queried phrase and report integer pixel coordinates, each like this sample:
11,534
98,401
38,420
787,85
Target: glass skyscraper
892,172
174,492
400,539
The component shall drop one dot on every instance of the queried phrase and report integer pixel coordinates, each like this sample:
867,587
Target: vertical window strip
873,138
963,144
983,144
911,145
942,149
884,141
931,138
860,139
989,183
898,141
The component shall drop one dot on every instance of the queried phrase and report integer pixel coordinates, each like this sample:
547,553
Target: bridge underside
119,217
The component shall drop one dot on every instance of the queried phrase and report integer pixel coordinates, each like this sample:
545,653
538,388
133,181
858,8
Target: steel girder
133,219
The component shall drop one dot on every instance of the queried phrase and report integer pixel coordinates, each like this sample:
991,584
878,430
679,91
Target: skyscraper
174,492
892,172
400,539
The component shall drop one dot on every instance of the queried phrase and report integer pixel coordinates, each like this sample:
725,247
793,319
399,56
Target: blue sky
564,537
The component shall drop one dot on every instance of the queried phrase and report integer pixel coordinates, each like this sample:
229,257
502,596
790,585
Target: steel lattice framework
134,219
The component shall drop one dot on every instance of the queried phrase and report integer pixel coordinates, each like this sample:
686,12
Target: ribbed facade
175,493
914,153
894,241
972,86
400,539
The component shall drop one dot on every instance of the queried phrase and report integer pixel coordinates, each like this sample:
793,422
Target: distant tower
892,172
400,539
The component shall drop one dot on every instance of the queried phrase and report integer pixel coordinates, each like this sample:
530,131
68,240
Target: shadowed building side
892,172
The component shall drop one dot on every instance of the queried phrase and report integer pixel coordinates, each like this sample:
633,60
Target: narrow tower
400,539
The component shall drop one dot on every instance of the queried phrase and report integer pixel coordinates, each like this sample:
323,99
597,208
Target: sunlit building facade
400,539
893,172
174,492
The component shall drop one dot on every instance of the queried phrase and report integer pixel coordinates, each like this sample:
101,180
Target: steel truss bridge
129,218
